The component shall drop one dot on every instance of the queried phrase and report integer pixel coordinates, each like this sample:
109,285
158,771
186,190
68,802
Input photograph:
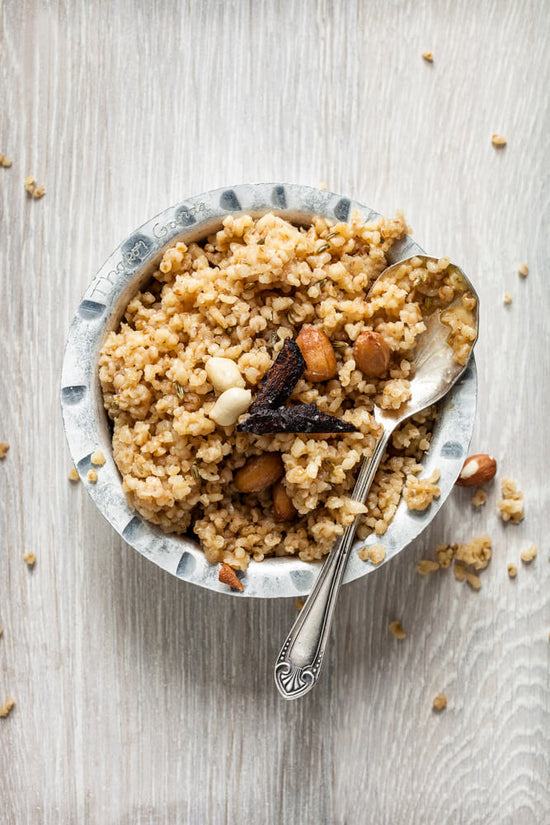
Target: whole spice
372,354
322,248
283,508
477,470
259,472
318,354
302,418
228,576
178,389
281,378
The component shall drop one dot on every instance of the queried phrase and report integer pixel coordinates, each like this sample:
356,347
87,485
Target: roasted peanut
318,354
372,354
283,508
259,472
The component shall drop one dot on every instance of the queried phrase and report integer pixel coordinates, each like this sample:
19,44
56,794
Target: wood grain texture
141,700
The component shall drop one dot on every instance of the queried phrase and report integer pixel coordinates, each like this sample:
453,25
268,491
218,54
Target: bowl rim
85,420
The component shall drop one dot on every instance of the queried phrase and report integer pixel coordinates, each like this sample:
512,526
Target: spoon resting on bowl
439,359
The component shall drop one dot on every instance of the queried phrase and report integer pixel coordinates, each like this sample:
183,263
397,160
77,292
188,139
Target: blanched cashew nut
230,405
223,373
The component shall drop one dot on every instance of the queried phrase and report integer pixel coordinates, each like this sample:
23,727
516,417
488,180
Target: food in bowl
214,321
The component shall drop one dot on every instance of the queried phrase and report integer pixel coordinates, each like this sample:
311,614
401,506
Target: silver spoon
435,372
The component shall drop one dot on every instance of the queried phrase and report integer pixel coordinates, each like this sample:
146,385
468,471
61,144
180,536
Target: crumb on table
523,270
427,566
29,559
428,57
445,554
397,631
498,140
1,628
92,476
440,702
473,580
459,571
512,570
507,298
510,506
479,498
4,447
476,553
5,161
34,189
73,474
529,554
98,458
7,706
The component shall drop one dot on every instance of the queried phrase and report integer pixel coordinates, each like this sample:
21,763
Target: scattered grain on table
29,559
6,708
510,506
479,498
529,554
498,140
397,631
73,475
427,566
440,702
523,270
34,189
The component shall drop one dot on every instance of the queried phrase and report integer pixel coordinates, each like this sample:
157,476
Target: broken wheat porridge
197,377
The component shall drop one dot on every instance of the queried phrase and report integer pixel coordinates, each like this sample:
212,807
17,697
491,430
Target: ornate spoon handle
299,662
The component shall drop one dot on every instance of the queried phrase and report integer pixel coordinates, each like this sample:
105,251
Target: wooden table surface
140,699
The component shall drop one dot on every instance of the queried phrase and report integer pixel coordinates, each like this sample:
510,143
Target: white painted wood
141,700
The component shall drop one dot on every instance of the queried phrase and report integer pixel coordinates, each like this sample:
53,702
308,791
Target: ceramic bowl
86,422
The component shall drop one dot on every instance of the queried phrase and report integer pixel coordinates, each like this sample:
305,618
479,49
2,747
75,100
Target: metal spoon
435,372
